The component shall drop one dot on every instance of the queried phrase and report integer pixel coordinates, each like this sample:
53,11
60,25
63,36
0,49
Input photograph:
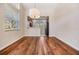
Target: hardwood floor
39,46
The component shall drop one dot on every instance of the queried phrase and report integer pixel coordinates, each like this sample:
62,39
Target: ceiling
44,8
47,9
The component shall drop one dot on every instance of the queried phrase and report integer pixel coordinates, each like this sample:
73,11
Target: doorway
42,23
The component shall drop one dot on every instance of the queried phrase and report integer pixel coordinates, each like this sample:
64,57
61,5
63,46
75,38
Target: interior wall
45,10
22,18
65,24
8,37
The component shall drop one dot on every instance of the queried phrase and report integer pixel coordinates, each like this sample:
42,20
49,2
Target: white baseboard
73,46
49,36
11,43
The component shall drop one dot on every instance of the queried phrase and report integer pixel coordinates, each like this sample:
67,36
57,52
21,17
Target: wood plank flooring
39,46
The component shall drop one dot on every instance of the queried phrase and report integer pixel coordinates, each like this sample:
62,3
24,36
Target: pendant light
34,12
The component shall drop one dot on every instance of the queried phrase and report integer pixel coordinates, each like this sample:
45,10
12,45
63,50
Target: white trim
73,46
11,43
49,36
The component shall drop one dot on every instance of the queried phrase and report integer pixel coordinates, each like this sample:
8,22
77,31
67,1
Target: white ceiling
47,9
39,5
44,8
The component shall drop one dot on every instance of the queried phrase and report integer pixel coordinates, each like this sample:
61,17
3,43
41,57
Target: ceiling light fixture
34,12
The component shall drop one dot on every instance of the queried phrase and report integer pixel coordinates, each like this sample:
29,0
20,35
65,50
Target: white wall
65,24
45,10
30,31
7,38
